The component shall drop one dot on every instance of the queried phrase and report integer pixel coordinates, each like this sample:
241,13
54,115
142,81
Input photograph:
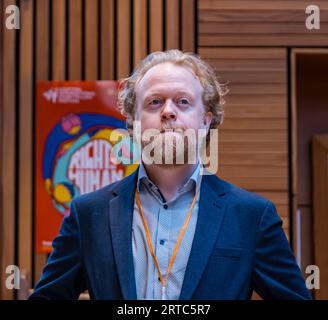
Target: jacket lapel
210,217
120,219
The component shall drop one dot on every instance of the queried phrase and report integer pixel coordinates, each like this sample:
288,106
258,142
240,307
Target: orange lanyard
177,245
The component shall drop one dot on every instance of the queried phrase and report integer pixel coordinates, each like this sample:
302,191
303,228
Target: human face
169,98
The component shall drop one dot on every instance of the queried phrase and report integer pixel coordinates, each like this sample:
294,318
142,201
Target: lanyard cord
177,245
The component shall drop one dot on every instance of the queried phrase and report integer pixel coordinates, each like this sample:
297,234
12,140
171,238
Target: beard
170,146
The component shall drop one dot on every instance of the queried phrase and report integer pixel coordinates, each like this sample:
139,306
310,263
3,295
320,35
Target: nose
168,112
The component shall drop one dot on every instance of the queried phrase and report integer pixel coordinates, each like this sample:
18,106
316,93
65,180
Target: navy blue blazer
239,246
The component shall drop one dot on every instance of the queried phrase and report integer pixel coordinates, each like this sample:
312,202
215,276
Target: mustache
171,127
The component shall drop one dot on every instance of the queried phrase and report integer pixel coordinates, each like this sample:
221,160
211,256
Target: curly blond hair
213,94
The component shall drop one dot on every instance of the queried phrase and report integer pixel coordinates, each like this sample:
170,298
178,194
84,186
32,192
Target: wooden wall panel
253,140
42,73
58,48
140,30
91,40
8,154
75,39
42,48
107,40
172,14
156,25
25,140
188,25
172,25
268,23
123,38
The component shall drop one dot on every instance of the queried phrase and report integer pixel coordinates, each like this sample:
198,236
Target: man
169,231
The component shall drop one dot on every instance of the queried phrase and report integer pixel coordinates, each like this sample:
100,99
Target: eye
183,101
155,102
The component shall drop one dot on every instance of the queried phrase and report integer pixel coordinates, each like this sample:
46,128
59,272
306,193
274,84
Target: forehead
168,77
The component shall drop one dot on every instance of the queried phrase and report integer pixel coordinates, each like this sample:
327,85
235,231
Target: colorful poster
74,138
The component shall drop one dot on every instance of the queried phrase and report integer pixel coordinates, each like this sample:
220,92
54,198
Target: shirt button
162,242
165,206
150,185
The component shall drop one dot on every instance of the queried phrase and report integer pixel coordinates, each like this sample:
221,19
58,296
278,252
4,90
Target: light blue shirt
165,221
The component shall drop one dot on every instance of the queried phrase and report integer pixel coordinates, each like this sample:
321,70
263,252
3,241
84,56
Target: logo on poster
68,95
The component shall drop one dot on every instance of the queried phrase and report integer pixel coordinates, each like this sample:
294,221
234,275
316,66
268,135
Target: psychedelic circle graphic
77,154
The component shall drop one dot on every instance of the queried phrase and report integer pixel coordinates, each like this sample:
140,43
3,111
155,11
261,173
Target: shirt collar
194,179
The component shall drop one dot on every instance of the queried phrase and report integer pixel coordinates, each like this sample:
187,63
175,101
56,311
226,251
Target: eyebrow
156,94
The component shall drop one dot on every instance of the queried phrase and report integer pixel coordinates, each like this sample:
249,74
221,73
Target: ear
208,116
